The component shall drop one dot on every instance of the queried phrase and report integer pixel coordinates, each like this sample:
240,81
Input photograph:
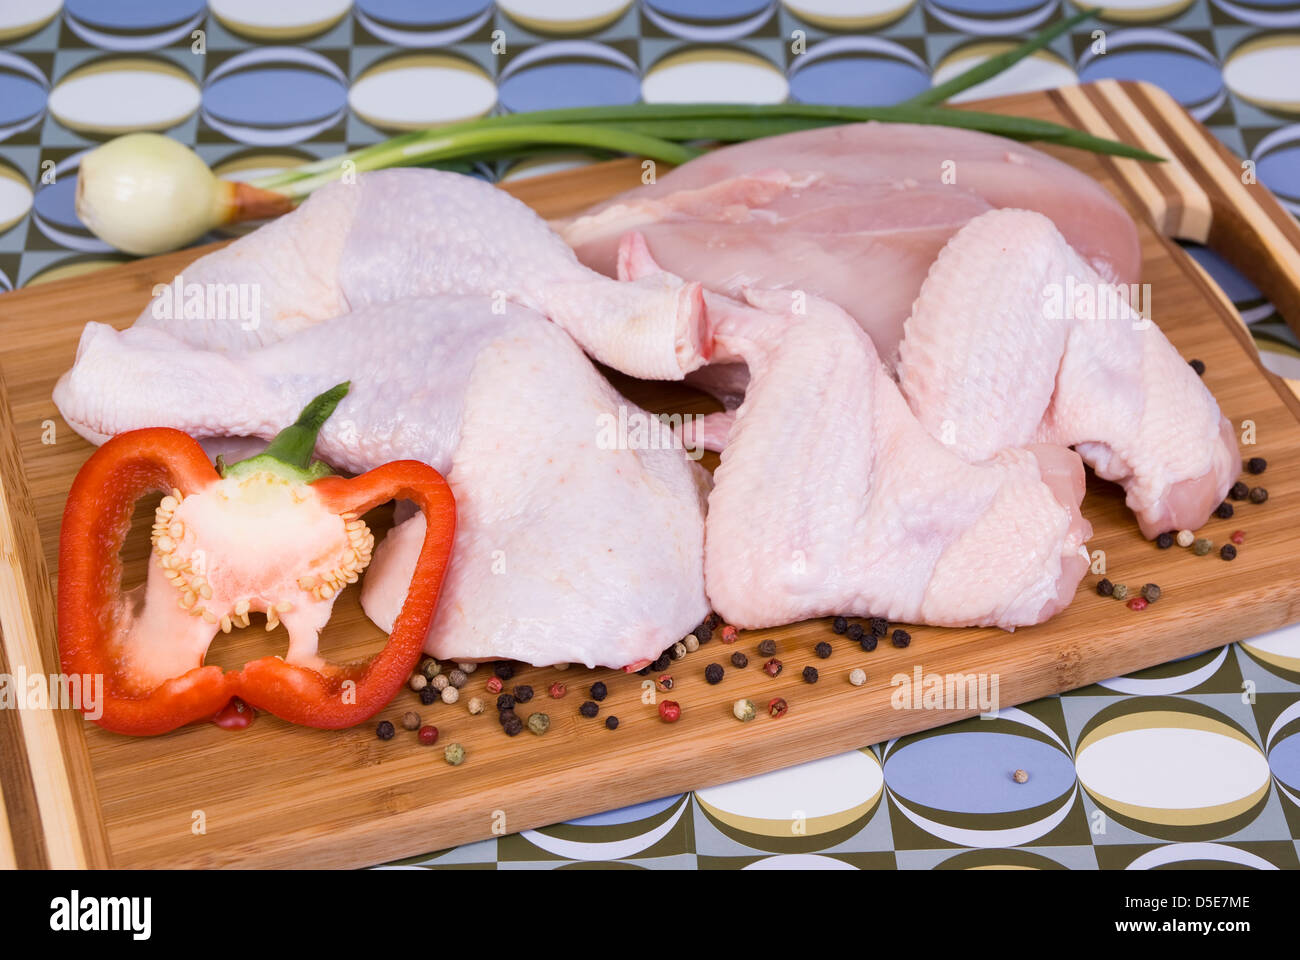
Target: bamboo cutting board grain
278,796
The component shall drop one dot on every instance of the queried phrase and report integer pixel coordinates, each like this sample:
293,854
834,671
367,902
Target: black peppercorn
611,723
713,673
1224,510
523,693
822,649
1228,552
505,670
588,708
662,663
713,621
868,643
767,648
643,671
1198,366
428,695
839,625
1165,540
739,660
1239,490
879,626
704,633
855,631
902,638
809,674
385,730
505,702
1105,588
1258,494
1256,464
599,691
512,725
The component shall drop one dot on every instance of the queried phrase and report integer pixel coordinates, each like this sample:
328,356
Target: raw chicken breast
855,214
832,499
408,233
567,549
992,358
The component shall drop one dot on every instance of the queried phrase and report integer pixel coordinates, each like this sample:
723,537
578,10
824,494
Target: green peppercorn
539,723
1151,592
744,710
454,754
1202,546
1120,592
430,668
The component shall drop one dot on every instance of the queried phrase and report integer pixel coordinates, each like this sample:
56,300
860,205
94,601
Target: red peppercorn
494,685
778,707
558,690
665,682
773,667
428,735
1137,603
670,711
1237,536
728,634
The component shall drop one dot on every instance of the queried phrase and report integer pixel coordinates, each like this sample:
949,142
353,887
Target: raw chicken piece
992,359
855,214
831,499
408,233
567,549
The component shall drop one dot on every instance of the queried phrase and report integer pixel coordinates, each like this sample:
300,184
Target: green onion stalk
145,193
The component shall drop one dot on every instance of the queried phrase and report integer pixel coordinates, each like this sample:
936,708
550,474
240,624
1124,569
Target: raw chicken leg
407,233
568,548
991,360
855,214
831,498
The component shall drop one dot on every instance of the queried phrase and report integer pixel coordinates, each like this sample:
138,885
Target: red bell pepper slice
136,641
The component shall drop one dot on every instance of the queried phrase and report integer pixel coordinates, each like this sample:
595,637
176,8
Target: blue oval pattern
858,81
928,772
134,14
274,95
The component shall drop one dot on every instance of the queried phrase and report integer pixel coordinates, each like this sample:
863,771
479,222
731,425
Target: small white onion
145,193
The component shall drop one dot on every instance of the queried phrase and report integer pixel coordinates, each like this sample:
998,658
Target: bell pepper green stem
290,453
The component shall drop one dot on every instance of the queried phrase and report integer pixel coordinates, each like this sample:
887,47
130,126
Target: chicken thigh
1014,339
569,548
409,233
854,214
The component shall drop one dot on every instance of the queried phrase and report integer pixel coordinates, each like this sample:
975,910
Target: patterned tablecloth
1194,761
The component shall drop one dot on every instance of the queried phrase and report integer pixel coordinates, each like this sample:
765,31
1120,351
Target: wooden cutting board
277,796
